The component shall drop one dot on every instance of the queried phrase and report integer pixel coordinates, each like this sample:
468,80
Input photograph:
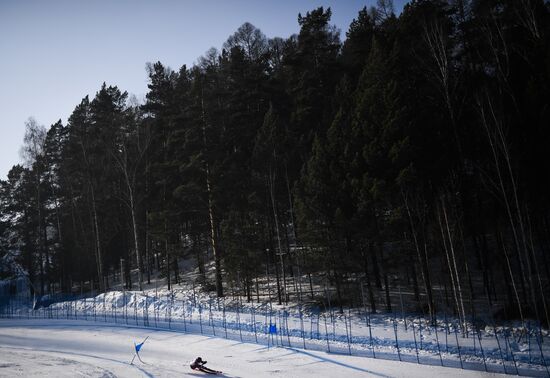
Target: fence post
183,312
210,317
420,332
499,348
253,317
200,316
239,320
458,346
481,348
529,341
437,340
326,333
171,301
415,344
224,321
402,311
302,326
370,336
540,349
396,341
348,334
146,312
446,333
318,321
135,308
280,316
287,333
511,352
155,310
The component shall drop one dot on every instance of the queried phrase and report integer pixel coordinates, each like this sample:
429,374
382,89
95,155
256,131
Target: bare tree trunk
136,239
98,242
423,265
493,140
213,239
435,39
276,220
455,280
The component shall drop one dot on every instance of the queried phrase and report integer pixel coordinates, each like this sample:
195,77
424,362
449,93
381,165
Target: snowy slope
352,332
69,348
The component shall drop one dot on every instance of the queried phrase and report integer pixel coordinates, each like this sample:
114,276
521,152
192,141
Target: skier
199,363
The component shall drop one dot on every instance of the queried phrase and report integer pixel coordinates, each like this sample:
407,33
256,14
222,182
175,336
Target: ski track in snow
73,348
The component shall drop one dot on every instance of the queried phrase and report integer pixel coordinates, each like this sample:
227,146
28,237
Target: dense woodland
412,156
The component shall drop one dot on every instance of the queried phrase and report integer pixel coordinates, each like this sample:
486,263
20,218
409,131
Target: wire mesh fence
519,350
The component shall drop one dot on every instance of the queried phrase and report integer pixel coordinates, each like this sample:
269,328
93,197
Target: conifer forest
401,163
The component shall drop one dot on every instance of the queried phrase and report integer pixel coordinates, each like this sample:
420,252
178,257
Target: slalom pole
136,351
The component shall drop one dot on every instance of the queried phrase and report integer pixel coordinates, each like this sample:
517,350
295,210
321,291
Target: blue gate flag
138,346
272,328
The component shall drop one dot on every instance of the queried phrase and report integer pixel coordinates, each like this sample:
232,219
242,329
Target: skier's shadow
325,359
215,375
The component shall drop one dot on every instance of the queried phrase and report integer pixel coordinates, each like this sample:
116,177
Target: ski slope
73,348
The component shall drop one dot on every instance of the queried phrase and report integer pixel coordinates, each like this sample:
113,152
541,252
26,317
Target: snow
94,336
69,348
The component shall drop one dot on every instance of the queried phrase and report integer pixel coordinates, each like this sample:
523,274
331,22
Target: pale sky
53,53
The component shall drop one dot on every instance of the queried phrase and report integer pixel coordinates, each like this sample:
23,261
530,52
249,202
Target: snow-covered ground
71,348
380,340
